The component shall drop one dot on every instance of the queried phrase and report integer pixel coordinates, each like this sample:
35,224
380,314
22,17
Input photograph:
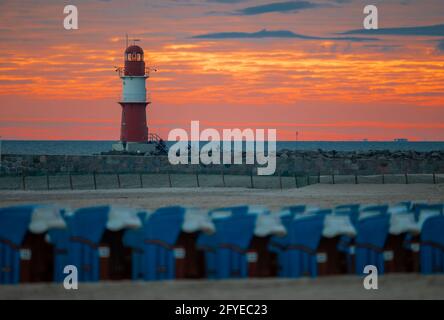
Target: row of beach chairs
37,242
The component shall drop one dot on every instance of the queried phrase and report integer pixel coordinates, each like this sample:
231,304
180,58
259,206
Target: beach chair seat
432,246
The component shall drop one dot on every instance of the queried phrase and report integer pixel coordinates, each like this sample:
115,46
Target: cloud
434,31
274,34
282,7
440,45
226,1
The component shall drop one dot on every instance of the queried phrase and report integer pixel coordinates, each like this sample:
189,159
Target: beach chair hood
403,222
14,223
46,217
123,218
269,225
336,225
196,220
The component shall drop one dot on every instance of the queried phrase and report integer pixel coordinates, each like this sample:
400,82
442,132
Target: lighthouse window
129,57
139,57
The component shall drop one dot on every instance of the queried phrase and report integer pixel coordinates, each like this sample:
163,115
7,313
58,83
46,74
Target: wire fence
94,181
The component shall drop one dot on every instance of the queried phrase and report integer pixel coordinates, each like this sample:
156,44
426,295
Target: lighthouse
134,135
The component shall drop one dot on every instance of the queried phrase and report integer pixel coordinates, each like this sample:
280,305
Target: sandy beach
394,286
323,195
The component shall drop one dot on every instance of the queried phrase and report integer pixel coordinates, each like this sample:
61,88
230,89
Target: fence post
47,181
118,180
296,181
251,179
141,181
319,177
308,180
95,181
70,181
24,181
169,179
356,178
197,179
434,178
333,178
280,180
406,178
223,176
383,179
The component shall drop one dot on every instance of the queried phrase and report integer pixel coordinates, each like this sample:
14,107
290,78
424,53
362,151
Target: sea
46,147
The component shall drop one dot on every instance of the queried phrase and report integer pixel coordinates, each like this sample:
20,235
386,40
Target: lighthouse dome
134,53
134,49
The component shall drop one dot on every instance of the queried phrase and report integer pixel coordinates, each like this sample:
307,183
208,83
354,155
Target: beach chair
233,237
369,243
399,253
305,234
225,251
86,228
259,259
432,246
278,244
14,224
169,243
336,228
160,233
25,255
96,242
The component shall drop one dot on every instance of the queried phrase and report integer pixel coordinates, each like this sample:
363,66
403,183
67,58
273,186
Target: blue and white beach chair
300,257
15,223
369,243
432,246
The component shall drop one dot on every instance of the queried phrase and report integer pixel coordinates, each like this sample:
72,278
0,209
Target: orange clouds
329,89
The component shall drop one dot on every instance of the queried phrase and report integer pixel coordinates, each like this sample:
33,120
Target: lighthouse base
135,147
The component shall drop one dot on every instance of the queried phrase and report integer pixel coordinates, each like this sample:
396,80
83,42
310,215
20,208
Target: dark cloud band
275,34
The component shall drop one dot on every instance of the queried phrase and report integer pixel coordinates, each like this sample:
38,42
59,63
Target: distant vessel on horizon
401,140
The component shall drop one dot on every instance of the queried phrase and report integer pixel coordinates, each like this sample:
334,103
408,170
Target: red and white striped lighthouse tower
133,130
133,101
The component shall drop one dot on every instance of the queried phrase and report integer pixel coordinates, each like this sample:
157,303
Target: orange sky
58,84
